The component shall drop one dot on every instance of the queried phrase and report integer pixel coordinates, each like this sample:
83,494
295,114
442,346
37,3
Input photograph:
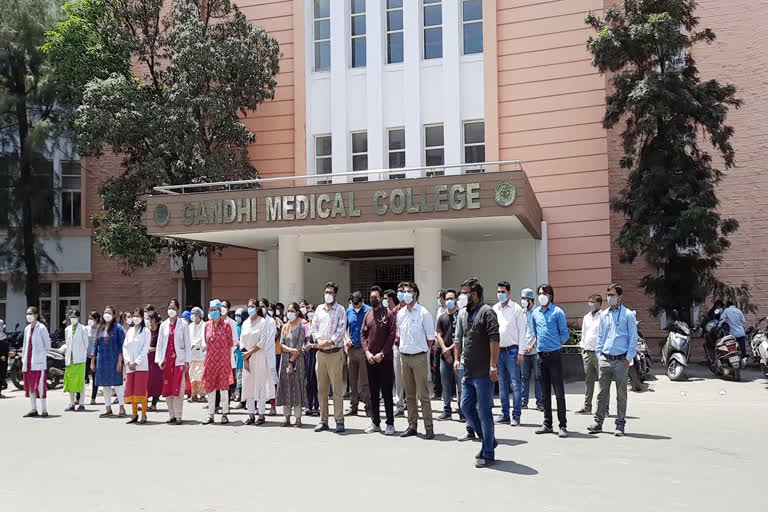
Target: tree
163,89
669,115
28,119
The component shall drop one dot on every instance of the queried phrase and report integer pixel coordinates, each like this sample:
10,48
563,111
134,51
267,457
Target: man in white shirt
512,331
416,330
589,328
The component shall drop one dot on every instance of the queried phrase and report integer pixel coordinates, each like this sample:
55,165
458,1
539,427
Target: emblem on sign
505,193
162,215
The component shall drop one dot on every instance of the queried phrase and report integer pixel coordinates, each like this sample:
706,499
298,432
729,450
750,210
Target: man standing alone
589,327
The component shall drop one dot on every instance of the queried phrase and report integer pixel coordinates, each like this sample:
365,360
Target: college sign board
491,194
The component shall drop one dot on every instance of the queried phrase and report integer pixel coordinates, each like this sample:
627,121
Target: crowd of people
300,356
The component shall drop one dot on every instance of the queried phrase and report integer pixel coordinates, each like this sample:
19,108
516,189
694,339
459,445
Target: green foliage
164,89
669,202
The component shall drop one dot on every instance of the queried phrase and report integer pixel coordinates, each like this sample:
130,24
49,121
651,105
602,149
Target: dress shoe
467,436
430,433
544,430
409,432
321,427
372,428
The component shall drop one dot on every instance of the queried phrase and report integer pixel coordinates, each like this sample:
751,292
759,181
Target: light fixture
487,235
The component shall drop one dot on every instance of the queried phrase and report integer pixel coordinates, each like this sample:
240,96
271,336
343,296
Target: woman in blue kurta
108,359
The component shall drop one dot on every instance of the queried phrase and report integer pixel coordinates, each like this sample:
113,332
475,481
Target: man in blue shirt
357,364
550,329
736,323
616,347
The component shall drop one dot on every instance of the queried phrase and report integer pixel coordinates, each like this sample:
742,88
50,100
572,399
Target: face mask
239,319
375,302
137,320
591,306
329,298
90,322
224,311
146,319
107,317
400,295
311,314
450,303
408,297
30,318
271,313
129,320
213,314
171,313
251,311
291,316
263,311
502,297
195,318
524,303
613,300
543,299
303,311
385,303
463,300
74,321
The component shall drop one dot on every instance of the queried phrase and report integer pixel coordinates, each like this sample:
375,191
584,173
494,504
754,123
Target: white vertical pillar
374,60
339,122
428,264
452,84
414,152
290,269
542,256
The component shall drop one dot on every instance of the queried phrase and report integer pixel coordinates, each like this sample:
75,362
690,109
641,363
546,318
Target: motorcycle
640,367
55,358
676,350
722,351
758,340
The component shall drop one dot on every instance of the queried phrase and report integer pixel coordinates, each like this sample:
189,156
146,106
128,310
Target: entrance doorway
385,273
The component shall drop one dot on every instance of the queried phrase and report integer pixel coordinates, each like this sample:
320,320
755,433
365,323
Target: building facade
434,93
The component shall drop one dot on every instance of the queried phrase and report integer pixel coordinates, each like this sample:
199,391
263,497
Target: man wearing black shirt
444,336
479,330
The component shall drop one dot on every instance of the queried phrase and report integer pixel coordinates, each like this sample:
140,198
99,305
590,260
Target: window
45,306
323,162
433,29
69,298
394,31
474,145
322,30
358,33
360,154
435,151
70,193
3,300
396,141
472,18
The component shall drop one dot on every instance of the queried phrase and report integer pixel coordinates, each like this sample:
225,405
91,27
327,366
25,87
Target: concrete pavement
695,445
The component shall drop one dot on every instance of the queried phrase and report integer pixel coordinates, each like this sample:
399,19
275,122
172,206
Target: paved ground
696,445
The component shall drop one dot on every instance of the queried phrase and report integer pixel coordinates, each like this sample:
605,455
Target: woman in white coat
75,357
34,362
135,358
256,338
173,355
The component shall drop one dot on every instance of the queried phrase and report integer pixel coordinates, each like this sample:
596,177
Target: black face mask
375,302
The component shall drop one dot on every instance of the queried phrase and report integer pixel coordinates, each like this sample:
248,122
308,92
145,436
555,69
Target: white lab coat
41,342
197,341
181,342
77,344
136,349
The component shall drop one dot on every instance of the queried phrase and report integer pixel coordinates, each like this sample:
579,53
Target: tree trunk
189,301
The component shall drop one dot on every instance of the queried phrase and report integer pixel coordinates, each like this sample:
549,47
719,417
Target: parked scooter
758,340
640,367
677,349
722,350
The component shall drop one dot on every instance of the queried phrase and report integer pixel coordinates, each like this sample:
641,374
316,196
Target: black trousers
551,374
381,377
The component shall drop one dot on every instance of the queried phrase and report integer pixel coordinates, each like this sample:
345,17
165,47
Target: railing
342,177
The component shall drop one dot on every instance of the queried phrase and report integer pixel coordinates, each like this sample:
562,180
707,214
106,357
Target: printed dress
217,375
291,390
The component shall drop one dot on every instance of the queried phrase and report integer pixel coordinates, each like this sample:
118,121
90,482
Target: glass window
396,146
360,154
474,145
69,298
434,149
70,193
358,33
322,24
323,162
472,20
45,306
394,31
433,29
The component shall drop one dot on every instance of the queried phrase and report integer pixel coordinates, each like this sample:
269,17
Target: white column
428,265
374,56
542,256
452,84
290,269
339,124
414,152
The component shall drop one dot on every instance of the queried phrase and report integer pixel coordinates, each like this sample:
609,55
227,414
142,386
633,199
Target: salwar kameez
258,385
155,384
291,391
108,349
217,374
173,379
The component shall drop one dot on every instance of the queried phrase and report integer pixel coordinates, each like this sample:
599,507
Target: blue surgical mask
408,297
252,311
400,295
214,314
613,300
450,303
502,297
591,306
238,319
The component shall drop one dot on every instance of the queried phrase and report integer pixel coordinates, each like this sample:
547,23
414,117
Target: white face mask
543,299
74,320
146,319
271,313
91,322
171,313
129,320
613,301
107,317
303,311
264,311
137,320
30,318
463,300
524,303
385,303
408,297
310,315
224,311
291,316
329,298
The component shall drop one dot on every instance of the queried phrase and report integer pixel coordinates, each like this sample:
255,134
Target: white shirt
589,328
77,344
415,328
136,349
41,342
197,341
181,341
511,324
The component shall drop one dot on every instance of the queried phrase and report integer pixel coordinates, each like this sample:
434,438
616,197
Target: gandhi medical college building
484,118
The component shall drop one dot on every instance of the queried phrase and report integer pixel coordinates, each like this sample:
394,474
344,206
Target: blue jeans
509,370
477,404
529,367
450,380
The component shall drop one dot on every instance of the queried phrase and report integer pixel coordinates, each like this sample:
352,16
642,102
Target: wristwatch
493,369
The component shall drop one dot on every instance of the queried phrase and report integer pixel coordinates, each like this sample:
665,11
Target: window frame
464,24
328,157
353,37
427,148
425,28
466,145
388,32
69,299
320,41
71,191
390,151
356,179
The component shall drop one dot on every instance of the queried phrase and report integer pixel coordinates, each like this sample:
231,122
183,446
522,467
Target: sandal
106,414
135,419
262,420
143,420
286,423
171,421
297,424
224,419
208,421
178,421
251,420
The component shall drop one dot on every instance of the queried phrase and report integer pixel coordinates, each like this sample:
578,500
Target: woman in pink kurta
217,375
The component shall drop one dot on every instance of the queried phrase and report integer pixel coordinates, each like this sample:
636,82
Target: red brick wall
234,275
